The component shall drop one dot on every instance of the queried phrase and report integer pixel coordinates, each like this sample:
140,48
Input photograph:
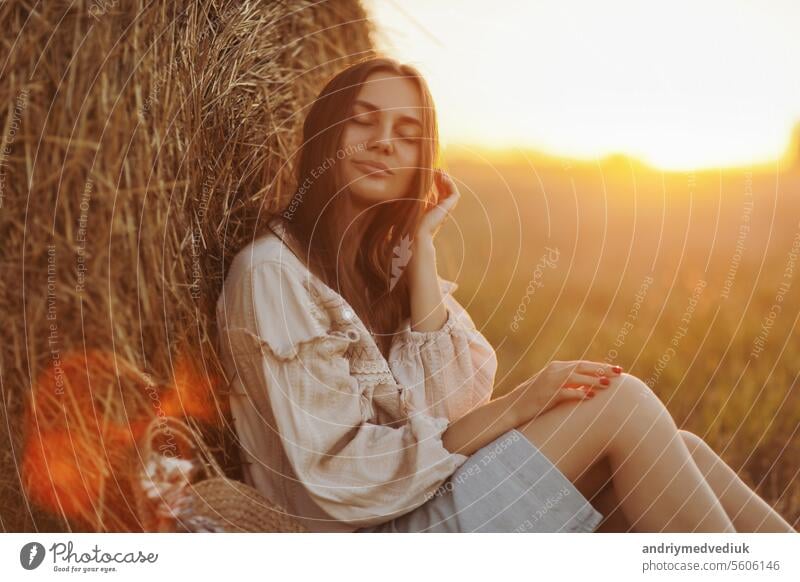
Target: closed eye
360,121
364,120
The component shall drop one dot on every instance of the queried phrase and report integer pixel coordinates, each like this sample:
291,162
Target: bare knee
627,392
693,442
635,385
635,411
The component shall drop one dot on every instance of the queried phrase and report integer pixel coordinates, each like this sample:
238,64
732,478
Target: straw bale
143,144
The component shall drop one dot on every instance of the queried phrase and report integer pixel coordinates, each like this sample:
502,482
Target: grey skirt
506,486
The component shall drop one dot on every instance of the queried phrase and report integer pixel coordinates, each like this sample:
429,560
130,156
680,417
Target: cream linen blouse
328,428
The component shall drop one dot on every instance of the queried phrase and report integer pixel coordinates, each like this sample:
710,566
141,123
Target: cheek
351,136
410,161
411,155
348,146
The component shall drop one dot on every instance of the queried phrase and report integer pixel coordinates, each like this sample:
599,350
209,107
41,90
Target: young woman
361,389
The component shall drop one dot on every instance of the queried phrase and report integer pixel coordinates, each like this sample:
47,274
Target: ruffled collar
371,360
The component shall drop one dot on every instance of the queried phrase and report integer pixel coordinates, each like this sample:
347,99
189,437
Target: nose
382,140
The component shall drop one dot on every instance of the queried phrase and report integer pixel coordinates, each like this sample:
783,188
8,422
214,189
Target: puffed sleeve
356,471
452,369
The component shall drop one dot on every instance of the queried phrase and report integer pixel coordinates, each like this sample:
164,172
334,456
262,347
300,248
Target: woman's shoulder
266,247
273,250
269,292
268,263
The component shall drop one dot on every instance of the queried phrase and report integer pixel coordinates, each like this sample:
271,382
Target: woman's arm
557,382
481,426
450,370
439,354
428,312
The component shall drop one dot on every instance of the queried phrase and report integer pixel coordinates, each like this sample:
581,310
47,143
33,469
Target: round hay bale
144,145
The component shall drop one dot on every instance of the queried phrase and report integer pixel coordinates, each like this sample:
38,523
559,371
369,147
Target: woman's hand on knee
560,381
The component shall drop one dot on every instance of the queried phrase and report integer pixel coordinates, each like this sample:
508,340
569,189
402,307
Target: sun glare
678,85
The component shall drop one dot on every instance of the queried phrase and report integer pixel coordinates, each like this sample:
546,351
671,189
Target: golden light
678,85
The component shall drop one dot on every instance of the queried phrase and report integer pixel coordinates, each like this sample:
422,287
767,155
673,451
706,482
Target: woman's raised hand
557,382
446,200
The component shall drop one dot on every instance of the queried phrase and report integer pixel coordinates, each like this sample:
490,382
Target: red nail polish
617,369
605,381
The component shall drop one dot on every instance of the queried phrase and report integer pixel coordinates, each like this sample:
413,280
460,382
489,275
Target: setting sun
678,85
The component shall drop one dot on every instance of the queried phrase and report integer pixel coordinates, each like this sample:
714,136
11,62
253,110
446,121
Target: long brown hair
315,218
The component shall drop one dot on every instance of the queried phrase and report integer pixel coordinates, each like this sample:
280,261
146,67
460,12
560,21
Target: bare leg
659,486
597,486
748,511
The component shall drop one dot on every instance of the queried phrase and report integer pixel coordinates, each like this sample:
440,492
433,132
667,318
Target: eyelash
404,138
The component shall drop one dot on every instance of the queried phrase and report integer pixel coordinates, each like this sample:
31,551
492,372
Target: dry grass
143,144
634,245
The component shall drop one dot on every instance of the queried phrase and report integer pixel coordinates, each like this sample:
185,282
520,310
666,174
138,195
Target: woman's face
383,129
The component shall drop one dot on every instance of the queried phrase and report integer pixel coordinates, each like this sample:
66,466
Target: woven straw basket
191,493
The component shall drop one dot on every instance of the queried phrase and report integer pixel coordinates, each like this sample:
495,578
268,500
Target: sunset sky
678,84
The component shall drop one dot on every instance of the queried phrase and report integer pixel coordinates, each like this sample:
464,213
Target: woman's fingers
445,185
441,184
575,394
441,212
598,368
575,379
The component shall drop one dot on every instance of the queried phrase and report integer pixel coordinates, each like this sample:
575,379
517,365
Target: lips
379,167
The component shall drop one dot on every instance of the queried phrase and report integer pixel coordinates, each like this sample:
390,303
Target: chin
373,195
